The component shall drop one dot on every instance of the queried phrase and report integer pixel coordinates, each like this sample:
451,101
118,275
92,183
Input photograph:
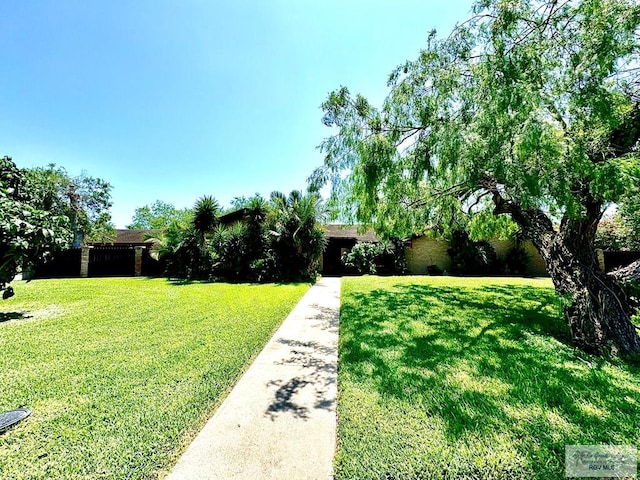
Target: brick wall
425,251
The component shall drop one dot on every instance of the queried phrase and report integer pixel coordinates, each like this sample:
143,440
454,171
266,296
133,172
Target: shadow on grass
488,361
178,282
8,316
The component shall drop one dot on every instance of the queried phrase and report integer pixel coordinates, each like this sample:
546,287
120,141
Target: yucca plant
205,215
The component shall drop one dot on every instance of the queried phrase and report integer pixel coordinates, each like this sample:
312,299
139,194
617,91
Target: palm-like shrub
279,240
296,236
205,215
184,253
230,246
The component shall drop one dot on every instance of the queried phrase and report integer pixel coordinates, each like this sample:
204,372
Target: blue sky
173,100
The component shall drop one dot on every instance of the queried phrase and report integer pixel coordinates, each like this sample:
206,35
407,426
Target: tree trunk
597,312
597,309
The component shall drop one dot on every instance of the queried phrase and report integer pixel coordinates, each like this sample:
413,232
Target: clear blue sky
173,100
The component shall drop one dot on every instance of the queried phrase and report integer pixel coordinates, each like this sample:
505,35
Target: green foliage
279,240
614,234
122,373
158,216
260,261
84,200
361,259
469,257
633,291
186,247
526,105
205,215
465,378
229,245
516,261
366,258
28,232
296,238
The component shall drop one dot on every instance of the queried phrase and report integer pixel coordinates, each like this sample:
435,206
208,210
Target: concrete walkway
279,421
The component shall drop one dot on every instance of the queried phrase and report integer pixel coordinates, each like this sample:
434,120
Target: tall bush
296,238
361,259
366,258
469,257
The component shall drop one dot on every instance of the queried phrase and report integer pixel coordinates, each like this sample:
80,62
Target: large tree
529,110
83,199
28,233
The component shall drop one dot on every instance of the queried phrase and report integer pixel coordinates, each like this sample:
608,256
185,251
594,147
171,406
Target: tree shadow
473,357
181,282
8,316
283,399
316,367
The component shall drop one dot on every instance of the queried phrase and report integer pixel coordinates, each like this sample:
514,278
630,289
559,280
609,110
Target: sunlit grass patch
122,373
444,377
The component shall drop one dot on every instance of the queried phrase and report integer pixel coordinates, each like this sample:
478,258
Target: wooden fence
101,261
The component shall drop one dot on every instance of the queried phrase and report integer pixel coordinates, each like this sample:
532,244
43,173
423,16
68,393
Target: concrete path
279,421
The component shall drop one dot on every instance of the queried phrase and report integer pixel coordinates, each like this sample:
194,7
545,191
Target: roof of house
349,231
233,216
137,237
131,237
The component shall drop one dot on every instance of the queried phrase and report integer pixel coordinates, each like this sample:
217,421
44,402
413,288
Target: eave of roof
350,232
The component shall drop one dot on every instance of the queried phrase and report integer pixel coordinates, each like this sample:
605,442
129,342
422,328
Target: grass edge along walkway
279,421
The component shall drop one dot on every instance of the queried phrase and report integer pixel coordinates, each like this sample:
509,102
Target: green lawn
122,373
443,377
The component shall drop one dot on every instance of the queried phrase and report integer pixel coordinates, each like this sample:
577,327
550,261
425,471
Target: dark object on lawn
434,270
10,418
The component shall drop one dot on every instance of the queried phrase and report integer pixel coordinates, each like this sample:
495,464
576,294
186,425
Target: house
421,252
340,240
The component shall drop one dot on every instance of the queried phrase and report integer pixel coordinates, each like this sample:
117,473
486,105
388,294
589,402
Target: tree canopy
43,210
527,115
159,215
83,199
28,233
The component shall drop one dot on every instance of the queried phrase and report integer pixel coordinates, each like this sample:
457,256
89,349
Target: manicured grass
122,373
443,377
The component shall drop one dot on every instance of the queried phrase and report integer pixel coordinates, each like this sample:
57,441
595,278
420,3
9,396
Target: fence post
138,269
84,262
600,255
